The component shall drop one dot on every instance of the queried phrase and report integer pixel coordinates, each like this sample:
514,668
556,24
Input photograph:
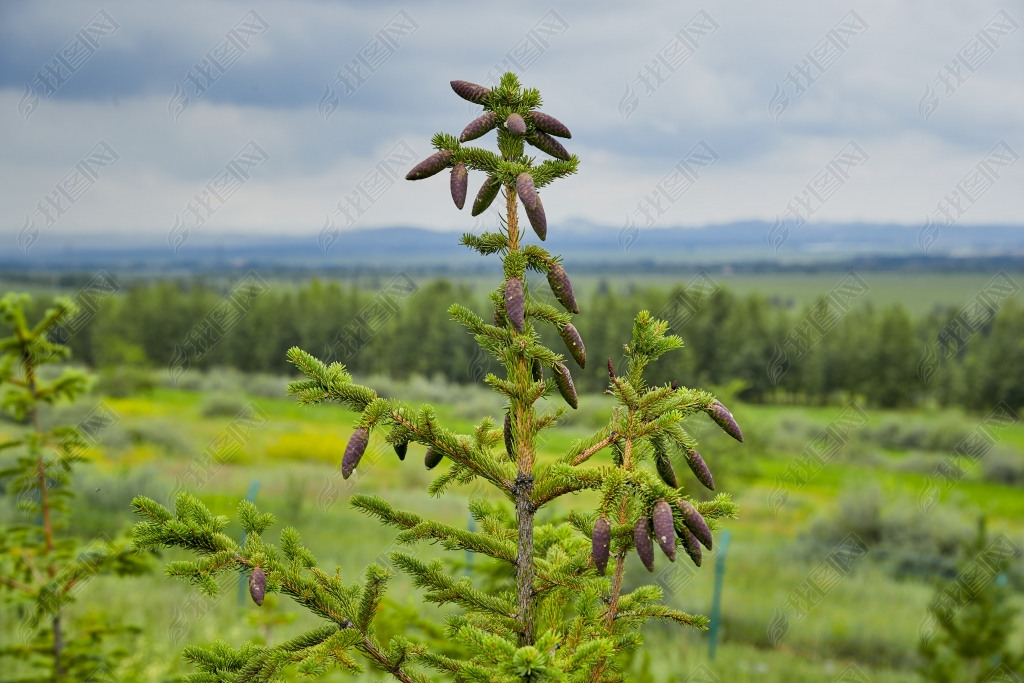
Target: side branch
585,454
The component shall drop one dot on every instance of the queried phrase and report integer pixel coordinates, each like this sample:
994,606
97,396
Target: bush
124,381
1004,467
164,434
102,498
908,541
221,405
266,386
941,433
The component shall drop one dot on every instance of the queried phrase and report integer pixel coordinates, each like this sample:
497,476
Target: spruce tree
563,618
42,567
972,617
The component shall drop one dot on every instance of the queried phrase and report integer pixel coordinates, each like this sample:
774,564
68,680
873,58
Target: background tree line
809,355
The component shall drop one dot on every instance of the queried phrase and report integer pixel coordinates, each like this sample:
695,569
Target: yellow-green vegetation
869,619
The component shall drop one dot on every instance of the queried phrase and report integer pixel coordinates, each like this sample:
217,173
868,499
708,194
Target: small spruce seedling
565,620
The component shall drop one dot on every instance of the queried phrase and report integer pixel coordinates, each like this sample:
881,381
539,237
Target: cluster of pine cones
536,128
690,526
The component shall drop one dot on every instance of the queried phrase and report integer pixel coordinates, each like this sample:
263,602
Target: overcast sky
119,115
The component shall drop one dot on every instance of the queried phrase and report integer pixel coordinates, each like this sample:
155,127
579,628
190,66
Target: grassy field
918,292
868,621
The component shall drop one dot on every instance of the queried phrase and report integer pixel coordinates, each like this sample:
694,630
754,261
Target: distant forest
828,352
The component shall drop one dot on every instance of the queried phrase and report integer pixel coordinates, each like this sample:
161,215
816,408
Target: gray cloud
721,94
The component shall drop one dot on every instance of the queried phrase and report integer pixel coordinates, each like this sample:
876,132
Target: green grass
868,619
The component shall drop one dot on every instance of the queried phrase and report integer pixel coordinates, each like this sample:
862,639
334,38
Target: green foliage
41,569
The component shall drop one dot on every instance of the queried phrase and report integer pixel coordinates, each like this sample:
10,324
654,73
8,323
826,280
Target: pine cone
664,465
401,448
549,124
694,522
546,143
644,546
432,459
354,451
664,530
515,124
562,288
479,126
488,191
477,94
720,414
257,586
435,163
563,380
538,370
611,370
574,343
538,220
514,302
525,189
459,183
509,442
699,468
690,544
601,544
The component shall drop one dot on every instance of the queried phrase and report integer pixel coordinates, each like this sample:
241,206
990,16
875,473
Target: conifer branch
578,457
442,589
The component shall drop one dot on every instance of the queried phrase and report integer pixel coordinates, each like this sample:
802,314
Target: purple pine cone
526,191
720,414
699,468
549,124
432,459
601,544
546,143
563,380
515,124
538,221
690,544
664,465
488,191
435,163
664,529
459,183
477,94
508,437
694,522
562,288
611,370
514,302
257,586
574,343
644,546
354,451
479,126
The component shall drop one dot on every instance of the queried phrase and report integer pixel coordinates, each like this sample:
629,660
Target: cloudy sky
218,117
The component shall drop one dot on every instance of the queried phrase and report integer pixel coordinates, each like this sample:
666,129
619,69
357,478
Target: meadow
867,623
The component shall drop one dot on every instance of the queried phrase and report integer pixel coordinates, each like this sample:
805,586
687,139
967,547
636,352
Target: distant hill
745,245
